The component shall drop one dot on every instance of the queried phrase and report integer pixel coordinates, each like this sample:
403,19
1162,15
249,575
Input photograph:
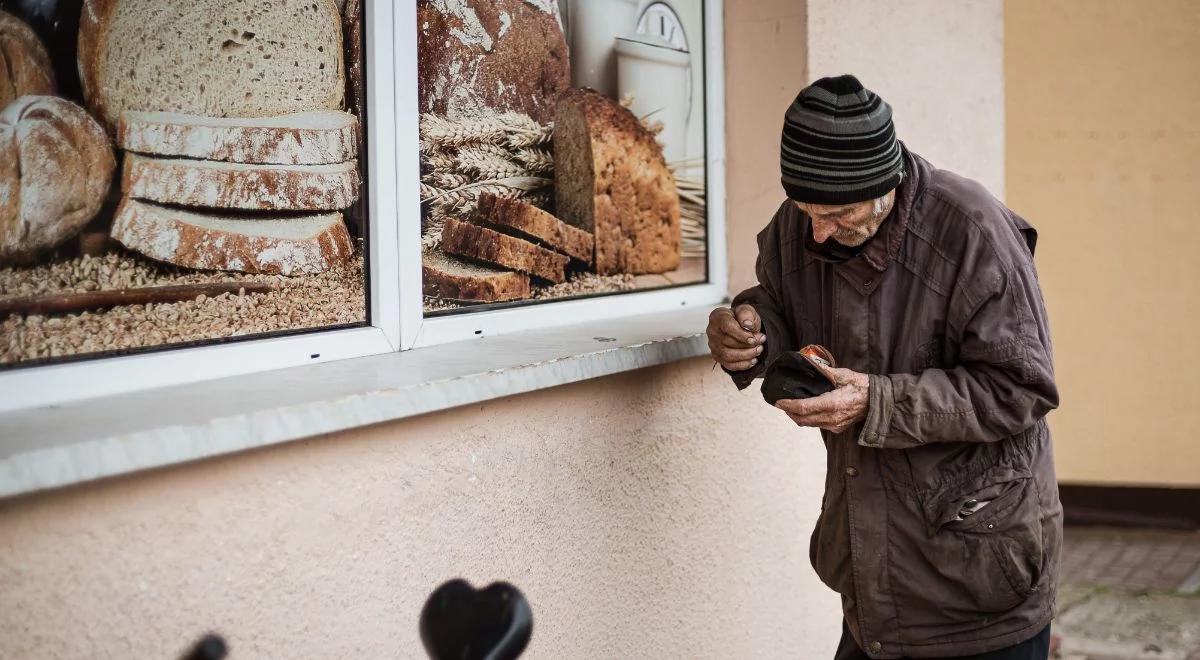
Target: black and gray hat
839,145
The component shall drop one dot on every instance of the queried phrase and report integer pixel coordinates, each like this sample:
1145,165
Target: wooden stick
68,303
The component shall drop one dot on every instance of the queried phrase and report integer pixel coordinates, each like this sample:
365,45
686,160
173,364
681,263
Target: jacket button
970,504
852,471
876,647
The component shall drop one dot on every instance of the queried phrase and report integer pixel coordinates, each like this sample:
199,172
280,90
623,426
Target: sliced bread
455,279
216,58
214,184
474,242
610,178
302,138
283,245
528,220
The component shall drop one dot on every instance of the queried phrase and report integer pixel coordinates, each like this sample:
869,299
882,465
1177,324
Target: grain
336,297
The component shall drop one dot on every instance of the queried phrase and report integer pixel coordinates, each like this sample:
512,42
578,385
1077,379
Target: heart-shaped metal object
459,622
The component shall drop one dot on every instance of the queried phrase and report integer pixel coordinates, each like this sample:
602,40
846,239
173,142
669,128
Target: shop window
563,151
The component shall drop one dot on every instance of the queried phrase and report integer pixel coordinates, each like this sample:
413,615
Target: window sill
61,445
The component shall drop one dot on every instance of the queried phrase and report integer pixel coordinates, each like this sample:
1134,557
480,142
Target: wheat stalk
539,161
488,164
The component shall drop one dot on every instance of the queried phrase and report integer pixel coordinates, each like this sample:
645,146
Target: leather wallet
794,375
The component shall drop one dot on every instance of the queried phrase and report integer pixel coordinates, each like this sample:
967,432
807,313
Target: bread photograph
183,172
572,129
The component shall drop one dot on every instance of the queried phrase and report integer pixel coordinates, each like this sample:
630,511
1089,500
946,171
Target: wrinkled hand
836,410
735,337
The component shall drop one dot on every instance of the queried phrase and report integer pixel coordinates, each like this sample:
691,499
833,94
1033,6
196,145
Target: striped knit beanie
839,145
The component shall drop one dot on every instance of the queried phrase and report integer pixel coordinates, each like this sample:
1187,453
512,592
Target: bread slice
454,279
302,138
610,179
216,58
283,245
475,242
215,184
528,220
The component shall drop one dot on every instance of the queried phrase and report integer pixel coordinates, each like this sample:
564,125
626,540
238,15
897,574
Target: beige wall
938,63
1104,158
653,514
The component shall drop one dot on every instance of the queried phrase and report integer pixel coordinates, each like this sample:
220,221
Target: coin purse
794,375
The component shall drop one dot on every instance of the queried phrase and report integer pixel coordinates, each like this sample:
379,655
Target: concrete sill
108,436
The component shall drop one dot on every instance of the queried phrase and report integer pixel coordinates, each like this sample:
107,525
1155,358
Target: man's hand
834,411
735,337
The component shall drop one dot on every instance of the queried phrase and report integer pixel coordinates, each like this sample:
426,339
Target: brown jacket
944,311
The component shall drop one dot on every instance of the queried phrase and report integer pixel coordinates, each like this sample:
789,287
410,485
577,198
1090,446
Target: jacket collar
883,247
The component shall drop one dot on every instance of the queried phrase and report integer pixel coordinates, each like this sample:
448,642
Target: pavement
1128,594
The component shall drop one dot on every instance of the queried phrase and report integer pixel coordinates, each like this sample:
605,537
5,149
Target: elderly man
941,524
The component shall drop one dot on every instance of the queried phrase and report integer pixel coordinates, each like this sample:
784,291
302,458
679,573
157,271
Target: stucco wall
653,514
939,64
1104,157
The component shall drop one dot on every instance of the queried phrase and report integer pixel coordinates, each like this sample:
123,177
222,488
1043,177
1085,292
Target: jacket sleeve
1003,384
767,300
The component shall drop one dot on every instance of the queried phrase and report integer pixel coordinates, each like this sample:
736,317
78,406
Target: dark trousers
1035,648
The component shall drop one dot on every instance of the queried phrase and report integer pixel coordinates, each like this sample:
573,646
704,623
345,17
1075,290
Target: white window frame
396,320
42,385
418,331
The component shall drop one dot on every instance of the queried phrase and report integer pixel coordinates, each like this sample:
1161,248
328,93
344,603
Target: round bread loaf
500,55
24,64
214,58
56,164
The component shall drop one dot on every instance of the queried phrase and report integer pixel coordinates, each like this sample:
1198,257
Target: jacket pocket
1002,540
948,574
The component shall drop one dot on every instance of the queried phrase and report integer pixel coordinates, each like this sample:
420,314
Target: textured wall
655,514
939,64
1104,156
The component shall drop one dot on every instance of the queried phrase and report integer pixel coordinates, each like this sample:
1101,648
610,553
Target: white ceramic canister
594,27
657,75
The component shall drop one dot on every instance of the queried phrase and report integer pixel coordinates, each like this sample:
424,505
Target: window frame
396,317
419,332
43,385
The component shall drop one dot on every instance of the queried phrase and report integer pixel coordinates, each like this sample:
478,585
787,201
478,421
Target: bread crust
284,140
25,67
238,186
171,235
534,223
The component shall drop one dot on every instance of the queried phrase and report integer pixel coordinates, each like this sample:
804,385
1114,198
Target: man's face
849,224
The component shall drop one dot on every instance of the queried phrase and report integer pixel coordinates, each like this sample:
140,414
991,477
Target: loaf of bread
56,164
529,221
25,67
476,55
303,138
215,184
217,58
454,279
278,245
482,244
610,179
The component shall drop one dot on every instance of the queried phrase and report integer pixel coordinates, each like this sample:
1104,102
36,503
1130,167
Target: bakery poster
562,149
174,173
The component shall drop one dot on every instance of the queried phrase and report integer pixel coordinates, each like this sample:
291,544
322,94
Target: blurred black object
460,623
210,647
56,23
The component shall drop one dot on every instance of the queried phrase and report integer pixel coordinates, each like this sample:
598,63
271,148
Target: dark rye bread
530,221
454,279
610,179
474,242
500,55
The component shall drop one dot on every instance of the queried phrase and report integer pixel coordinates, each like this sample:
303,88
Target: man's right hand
735,337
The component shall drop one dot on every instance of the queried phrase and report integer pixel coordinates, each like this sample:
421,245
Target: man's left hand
836,410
